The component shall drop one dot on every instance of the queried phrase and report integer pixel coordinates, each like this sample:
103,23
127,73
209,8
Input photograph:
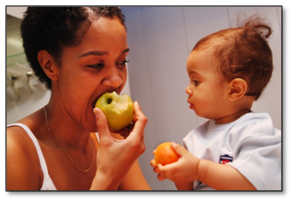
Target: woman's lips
94,103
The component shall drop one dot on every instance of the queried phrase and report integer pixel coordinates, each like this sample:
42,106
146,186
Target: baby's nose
188,91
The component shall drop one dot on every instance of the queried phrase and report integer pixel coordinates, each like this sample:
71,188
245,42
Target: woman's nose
113,80
113,77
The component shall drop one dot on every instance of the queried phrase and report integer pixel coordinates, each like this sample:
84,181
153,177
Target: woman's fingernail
96,112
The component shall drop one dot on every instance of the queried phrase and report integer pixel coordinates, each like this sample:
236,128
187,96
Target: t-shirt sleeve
258,157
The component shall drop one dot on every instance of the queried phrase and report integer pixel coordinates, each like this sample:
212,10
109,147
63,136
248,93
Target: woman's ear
237,89
48,64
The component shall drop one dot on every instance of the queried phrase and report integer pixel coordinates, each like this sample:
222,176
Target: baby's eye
195,82
122,64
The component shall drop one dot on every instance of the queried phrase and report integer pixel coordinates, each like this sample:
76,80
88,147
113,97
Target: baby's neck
232,117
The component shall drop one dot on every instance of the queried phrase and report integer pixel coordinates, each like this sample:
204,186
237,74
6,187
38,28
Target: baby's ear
237,89
49,66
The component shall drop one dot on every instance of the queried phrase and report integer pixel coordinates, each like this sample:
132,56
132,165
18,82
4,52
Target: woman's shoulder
22,159
18,135
31,122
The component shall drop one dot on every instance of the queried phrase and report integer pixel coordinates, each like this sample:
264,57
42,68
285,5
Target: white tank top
47,182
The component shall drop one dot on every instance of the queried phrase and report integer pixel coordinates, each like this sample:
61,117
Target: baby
236,149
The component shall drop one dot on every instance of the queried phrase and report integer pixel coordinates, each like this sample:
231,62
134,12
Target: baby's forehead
207,51
203,57
218,40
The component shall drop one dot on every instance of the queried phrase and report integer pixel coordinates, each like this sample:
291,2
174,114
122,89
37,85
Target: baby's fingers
153,163
166,171
160,177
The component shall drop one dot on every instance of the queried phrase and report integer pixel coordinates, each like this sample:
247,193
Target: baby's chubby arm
189,168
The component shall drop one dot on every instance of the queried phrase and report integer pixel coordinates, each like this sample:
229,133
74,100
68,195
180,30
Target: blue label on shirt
225,159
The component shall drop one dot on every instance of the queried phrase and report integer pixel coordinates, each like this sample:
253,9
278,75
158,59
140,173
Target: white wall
160,39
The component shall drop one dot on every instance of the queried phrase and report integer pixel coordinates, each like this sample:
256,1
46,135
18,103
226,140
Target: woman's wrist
103,182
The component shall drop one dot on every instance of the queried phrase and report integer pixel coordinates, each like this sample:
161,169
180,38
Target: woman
79,53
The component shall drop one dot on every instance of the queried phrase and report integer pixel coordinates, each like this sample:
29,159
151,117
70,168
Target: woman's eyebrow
125,51
100,53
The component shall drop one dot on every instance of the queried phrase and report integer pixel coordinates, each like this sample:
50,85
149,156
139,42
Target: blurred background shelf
20,100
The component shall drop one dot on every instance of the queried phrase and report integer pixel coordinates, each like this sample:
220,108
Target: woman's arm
134,180
184,185
22,166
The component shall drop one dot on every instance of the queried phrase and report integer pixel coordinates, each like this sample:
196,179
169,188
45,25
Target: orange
165,154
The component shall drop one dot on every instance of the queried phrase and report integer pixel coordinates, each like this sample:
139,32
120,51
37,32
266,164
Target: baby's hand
180,171
154,163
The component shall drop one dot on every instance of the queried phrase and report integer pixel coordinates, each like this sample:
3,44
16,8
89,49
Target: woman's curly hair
243,52
52,28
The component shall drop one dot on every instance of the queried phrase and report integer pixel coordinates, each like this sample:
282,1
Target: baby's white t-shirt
250,144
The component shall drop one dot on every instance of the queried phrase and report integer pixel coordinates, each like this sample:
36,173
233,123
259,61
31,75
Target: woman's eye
96,66
122,63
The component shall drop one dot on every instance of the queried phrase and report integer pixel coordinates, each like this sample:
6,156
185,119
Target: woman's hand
124,132
115,157
182,171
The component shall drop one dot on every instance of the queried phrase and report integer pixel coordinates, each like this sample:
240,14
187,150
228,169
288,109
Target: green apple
117,108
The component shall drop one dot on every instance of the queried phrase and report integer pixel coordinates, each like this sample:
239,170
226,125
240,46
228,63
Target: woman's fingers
102,124
124,132
139,118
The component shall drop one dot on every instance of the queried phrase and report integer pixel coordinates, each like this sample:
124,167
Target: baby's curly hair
243,52
52,28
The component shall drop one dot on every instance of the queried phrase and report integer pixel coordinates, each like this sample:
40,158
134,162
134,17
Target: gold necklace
55,142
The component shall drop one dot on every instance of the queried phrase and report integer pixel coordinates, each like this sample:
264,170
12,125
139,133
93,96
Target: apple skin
117,108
